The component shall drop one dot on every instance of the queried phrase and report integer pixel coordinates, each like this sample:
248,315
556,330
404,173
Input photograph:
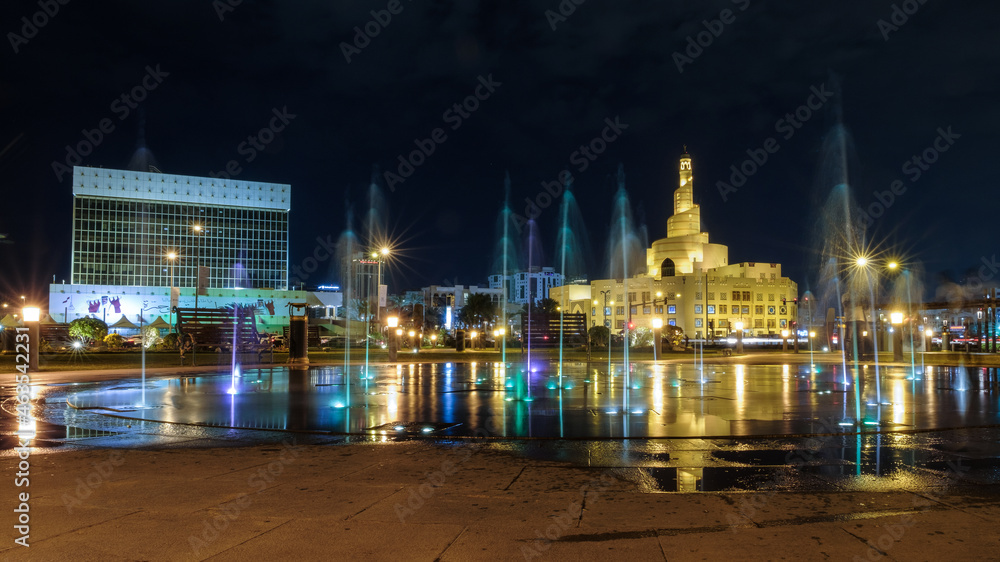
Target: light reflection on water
666,400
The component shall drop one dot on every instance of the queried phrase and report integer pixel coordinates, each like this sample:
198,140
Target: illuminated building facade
690,283
533,284
126,223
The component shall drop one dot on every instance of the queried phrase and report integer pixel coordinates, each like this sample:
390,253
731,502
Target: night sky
220,72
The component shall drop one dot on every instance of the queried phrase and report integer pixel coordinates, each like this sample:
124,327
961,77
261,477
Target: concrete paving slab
618,511
928,535
326,539
798,542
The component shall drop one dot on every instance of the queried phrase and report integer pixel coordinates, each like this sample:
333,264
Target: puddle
720,479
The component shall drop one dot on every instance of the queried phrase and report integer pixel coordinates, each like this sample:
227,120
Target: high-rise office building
126,223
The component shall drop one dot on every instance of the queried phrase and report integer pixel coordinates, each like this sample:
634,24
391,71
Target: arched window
667,268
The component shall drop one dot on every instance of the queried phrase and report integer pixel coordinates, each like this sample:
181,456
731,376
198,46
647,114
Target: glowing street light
657,324
390,323
896,318
784,340
171,257
739,336
197,269
31,315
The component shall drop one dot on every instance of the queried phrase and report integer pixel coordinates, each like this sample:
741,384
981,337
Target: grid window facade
125,242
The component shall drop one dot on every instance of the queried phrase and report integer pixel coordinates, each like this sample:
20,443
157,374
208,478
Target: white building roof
171,188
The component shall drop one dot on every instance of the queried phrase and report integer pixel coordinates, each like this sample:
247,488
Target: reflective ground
577,401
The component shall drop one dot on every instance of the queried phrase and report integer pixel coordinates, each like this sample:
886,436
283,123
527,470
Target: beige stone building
689,283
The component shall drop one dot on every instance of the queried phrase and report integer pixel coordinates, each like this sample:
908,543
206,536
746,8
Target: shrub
150,337
168,342
88,329
114,341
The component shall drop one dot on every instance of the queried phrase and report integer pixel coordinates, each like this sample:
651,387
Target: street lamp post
378,283
607,324
897,332
784,341
197,267
391,323
31,316
739,337
171,257
657,324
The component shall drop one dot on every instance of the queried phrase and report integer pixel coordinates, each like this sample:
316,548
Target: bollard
31,316
298,333
459,340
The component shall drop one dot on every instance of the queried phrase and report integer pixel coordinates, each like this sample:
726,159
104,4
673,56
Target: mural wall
109,303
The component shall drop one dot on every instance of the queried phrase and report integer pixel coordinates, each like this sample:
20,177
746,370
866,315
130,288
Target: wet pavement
464,462
575,401
740,427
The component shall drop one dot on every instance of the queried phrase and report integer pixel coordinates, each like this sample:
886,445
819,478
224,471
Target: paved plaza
117,488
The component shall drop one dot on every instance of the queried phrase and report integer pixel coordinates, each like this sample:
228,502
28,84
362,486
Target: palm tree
544,306
478,311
